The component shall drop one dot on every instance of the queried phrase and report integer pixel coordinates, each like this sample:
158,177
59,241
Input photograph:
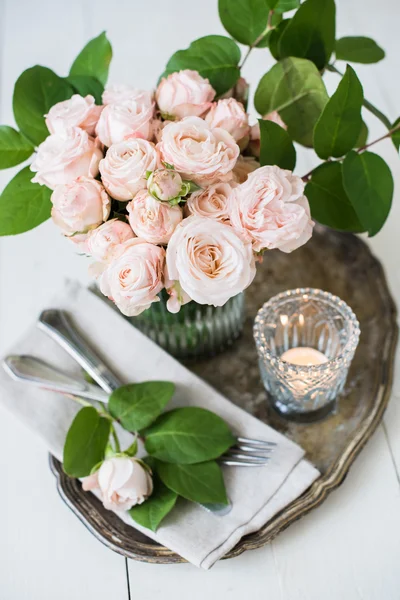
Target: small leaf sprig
182,446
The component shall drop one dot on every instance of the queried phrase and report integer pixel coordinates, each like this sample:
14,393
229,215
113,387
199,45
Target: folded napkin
256,493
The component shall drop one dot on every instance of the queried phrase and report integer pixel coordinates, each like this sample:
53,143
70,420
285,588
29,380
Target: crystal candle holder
320,323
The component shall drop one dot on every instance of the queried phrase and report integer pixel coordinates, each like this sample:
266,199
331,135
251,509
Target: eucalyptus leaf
150,513
276,147
328,200
86,442
369,185
23,204
14,147
275,20
359,50
35,92
188,435
295,89
215,57
339,125
94,60
281,6
396,135
274,36
311,32
85,84
137,405
244,20
201,483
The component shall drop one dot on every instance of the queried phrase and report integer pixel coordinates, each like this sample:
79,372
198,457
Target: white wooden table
347,549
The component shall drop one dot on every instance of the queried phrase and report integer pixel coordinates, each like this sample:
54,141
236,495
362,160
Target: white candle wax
304,356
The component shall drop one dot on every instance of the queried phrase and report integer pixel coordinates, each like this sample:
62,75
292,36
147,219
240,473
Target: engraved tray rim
107,529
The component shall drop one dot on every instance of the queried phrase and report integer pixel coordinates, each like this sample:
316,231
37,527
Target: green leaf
14,148
362,136
276,147
274,36
396,135
23,204
137,405
328,200
264,42
295,89
84,85
359,50
188,435
339,126
281,6
311,32
369,185
35,92
214,56
86,442
201,483
244,20
156,508
94,60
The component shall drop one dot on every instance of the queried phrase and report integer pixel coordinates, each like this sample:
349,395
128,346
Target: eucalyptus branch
260,37
372,109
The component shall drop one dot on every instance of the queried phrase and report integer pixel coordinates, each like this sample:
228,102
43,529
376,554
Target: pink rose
271,210
130,118
75,112
214,202
152,220
165,184
122,482
134,276
80,206
123,170
244,166
201,154
211,262
184,94
101,242
60,160
231,116
119,92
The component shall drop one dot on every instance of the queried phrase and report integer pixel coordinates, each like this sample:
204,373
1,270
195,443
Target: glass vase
197,330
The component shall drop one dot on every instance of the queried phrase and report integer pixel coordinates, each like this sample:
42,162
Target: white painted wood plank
45,552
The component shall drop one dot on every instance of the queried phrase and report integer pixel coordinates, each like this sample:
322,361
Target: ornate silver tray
343,265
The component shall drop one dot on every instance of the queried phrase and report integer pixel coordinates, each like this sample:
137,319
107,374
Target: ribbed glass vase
197,330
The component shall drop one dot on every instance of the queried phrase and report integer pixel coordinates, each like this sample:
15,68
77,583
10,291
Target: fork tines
248,453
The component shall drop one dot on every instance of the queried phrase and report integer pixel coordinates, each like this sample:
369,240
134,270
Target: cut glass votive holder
308,318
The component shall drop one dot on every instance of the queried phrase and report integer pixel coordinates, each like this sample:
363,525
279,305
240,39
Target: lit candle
304,356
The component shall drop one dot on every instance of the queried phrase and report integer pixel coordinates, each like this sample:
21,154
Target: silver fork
246,453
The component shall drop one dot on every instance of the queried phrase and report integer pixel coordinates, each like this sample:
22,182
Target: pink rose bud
61,159
184,94
164,184
134,276
231,116
80,206
200,153
271,210
122,482
75,112
102,241
152,220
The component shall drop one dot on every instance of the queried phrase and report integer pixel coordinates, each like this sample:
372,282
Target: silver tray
343,265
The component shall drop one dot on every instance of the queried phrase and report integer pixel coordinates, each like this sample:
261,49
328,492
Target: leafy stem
260,38
372,109
117,445
391,131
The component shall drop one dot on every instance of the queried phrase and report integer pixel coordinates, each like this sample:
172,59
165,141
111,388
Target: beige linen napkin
256,494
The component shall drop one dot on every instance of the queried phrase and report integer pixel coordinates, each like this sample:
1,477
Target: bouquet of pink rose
153,186
173,188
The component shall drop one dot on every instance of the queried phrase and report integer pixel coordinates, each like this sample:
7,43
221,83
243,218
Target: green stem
372,109
79,400
260,37
117,445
